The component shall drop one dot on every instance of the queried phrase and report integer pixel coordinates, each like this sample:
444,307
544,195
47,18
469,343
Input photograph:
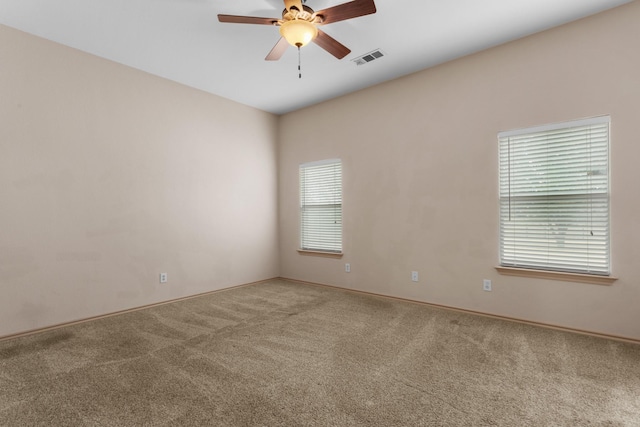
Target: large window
321,206
554,197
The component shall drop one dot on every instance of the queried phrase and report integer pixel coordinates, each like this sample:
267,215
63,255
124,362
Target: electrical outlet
347,268
414,276
163,278
486,285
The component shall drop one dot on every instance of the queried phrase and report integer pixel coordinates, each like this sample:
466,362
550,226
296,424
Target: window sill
320,253
557,275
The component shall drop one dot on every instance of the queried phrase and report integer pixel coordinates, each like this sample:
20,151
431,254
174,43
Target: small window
321,206
554,197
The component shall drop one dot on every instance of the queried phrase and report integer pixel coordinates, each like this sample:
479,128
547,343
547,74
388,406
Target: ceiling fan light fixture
298,32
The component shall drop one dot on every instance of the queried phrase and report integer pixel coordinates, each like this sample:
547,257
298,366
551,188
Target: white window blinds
554,197
321,206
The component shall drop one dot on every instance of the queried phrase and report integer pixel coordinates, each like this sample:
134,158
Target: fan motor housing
307,14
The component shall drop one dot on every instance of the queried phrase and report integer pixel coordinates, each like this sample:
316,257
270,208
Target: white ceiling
183,41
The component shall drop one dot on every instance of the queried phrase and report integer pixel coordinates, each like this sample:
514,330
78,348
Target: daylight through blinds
321,206
554,197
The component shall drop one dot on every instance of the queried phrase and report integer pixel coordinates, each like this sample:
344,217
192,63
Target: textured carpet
284,354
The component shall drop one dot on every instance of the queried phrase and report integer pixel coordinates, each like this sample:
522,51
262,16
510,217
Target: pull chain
299,68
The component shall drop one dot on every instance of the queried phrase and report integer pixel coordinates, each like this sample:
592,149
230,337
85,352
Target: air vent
368,57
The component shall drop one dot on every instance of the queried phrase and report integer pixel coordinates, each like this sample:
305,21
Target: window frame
319,239
569,272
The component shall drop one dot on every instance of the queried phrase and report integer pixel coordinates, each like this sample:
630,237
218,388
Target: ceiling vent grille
368,57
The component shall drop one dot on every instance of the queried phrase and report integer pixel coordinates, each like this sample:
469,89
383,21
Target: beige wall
109,176
420,174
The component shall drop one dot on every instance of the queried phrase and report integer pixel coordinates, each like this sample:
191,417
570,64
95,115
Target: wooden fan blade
331,45
352,9
278,50
235,19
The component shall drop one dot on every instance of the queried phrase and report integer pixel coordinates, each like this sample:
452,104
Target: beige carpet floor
285,354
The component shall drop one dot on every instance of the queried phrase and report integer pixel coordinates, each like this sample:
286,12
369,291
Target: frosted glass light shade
298,32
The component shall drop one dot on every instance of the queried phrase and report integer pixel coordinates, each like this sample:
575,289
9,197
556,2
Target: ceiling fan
299,25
